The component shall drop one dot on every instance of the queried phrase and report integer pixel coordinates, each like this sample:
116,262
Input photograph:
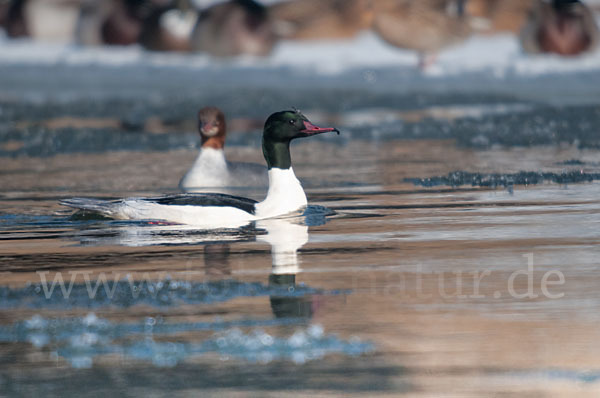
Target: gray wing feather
105,207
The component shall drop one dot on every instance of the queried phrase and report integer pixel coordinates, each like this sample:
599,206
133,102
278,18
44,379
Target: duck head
568,28
211,126
280,129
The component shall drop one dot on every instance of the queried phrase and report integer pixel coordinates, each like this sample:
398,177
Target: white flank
285,196
201,216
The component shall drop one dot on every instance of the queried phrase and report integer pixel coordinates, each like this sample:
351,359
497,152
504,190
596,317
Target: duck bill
311,129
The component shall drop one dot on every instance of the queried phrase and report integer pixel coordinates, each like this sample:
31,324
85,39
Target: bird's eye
292,121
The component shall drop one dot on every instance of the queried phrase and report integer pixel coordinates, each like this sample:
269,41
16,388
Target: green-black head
280,129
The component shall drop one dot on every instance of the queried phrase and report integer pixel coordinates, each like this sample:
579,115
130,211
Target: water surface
397,288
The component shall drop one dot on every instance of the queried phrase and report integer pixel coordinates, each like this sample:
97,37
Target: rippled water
397,288
451,244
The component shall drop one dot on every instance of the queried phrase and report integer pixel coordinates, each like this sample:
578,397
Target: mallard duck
233,28
321,19
426,26
564,27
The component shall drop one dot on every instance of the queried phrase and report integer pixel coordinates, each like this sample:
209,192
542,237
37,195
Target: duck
12,18
44,20
321,19
496,16
426,26
563,27
285,195
233,28
114,22
168,28
158,25
211,169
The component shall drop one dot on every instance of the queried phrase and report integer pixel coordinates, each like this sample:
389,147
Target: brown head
212,128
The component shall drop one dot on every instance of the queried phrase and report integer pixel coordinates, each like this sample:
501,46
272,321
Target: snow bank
499,55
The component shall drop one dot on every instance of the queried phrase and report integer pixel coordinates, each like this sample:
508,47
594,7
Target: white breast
285,194
209,170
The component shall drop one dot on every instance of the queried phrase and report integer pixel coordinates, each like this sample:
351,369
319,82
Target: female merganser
563,27
285,194
210,168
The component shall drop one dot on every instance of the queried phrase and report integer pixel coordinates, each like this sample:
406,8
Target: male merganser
211,170
564,27
285,194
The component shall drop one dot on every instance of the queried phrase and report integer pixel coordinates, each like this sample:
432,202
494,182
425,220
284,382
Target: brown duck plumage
494,16
426,26
562,27
321,19
232,28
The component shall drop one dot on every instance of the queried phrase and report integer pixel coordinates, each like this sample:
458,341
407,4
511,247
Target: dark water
451,247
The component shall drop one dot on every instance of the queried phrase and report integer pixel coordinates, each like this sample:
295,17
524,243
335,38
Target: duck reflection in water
216,260
286,238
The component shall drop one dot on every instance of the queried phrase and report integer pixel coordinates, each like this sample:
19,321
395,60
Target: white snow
499,55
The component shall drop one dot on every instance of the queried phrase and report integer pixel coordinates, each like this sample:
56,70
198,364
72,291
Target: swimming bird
426,26
232,28
564,27
285,194
210,168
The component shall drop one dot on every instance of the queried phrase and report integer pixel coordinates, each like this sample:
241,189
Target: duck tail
103,207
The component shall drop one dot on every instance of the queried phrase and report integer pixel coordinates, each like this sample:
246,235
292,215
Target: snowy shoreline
498,55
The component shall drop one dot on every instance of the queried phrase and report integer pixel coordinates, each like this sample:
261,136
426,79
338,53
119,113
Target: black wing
207,199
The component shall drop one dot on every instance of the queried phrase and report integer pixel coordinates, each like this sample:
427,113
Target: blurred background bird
321,19
233,28
425,26
563,27
248,27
